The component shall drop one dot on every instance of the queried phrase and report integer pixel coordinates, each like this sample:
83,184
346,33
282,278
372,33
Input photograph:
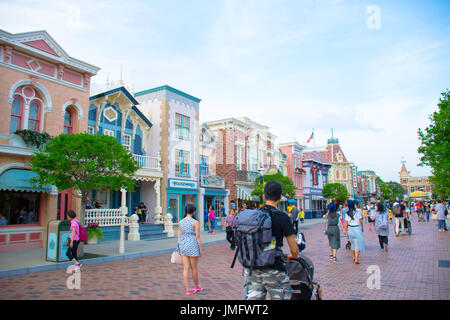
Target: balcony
150,167
247,176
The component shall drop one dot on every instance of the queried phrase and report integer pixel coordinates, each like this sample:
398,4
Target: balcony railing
104,217
247,176
147,162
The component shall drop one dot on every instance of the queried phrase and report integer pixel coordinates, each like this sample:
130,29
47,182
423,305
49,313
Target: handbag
67,244
176,256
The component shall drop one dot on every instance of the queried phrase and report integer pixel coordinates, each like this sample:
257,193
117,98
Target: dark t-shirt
402,208
281,227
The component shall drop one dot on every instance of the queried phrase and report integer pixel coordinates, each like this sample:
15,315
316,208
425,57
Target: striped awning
245,193
19,180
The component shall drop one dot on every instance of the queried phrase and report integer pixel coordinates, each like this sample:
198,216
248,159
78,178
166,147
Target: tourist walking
231,223
427,210
354,227
371,222
294,214
440,210
211,219
398,211
74,239
190,247
381,218
333,233
272,279
223,216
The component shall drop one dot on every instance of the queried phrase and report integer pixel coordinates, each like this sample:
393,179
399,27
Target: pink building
293,152
44,90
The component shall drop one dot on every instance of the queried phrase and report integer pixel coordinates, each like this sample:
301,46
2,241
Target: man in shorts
274,279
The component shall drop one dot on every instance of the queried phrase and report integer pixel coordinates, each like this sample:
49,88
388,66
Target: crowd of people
348,219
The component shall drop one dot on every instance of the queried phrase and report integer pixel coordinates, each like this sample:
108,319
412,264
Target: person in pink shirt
74,239
211,219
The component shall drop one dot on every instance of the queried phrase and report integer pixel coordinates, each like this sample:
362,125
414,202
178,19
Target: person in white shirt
354,227
440,210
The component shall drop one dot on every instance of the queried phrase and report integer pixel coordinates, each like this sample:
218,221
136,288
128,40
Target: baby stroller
408,226
301,275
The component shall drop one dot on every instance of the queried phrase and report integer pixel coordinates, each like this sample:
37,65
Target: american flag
312,136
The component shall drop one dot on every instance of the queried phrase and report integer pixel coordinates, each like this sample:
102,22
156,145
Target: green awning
19,180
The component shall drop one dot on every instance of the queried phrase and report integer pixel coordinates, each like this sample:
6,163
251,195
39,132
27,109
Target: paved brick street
409,271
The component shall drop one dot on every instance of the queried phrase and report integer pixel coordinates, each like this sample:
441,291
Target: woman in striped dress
190,247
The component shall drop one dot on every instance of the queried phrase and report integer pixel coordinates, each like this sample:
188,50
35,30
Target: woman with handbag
190,247
231,222
74,239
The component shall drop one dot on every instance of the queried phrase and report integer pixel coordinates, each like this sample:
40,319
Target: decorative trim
11,165
76,105
43,76
43,90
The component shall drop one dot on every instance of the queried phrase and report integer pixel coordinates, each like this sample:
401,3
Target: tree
335,191
385,189
84,162
286,184
396,189
435,146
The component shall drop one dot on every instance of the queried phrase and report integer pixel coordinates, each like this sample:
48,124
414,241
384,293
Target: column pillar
158,209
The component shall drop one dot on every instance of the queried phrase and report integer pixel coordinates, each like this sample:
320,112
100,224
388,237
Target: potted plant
94,233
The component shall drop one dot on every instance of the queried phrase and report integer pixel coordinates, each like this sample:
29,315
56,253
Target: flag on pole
312,136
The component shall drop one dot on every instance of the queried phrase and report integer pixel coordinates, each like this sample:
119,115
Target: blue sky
291,65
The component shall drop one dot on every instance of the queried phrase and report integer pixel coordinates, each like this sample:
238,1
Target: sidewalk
21,262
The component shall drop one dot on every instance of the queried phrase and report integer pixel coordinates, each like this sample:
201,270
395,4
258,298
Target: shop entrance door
173,207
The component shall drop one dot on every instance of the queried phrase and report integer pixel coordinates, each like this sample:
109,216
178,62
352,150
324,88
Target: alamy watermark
74,281
374,20
374,280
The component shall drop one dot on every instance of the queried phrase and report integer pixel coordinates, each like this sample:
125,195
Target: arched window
16,115
68,122
344,175
34,117
337,174
26,109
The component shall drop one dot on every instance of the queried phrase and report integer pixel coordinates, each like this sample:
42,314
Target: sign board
183,184
212,182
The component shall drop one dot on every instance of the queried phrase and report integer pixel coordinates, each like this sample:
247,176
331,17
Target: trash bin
57,233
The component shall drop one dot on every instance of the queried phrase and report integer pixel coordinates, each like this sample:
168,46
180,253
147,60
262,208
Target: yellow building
413,184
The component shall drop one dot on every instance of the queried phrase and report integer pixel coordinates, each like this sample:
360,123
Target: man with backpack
398,210
259,239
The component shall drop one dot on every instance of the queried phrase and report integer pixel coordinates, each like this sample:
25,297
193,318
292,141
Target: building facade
294,152
212,190
44,90
414,184
175,136
245,151
342,171
114,112
368,188
316,169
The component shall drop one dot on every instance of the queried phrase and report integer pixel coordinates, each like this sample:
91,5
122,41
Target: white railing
104,217
147,162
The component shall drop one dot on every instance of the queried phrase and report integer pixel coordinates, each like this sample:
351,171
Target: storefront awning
245,193
19,180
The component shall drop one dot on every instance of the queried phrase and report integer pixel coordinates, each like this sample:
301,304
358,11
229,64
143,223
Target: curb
65,264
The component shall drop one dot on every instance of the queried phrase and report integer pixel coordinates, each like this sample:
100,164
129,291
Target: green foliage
335,191
33,138
84,162
93,230
435,146
286,184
